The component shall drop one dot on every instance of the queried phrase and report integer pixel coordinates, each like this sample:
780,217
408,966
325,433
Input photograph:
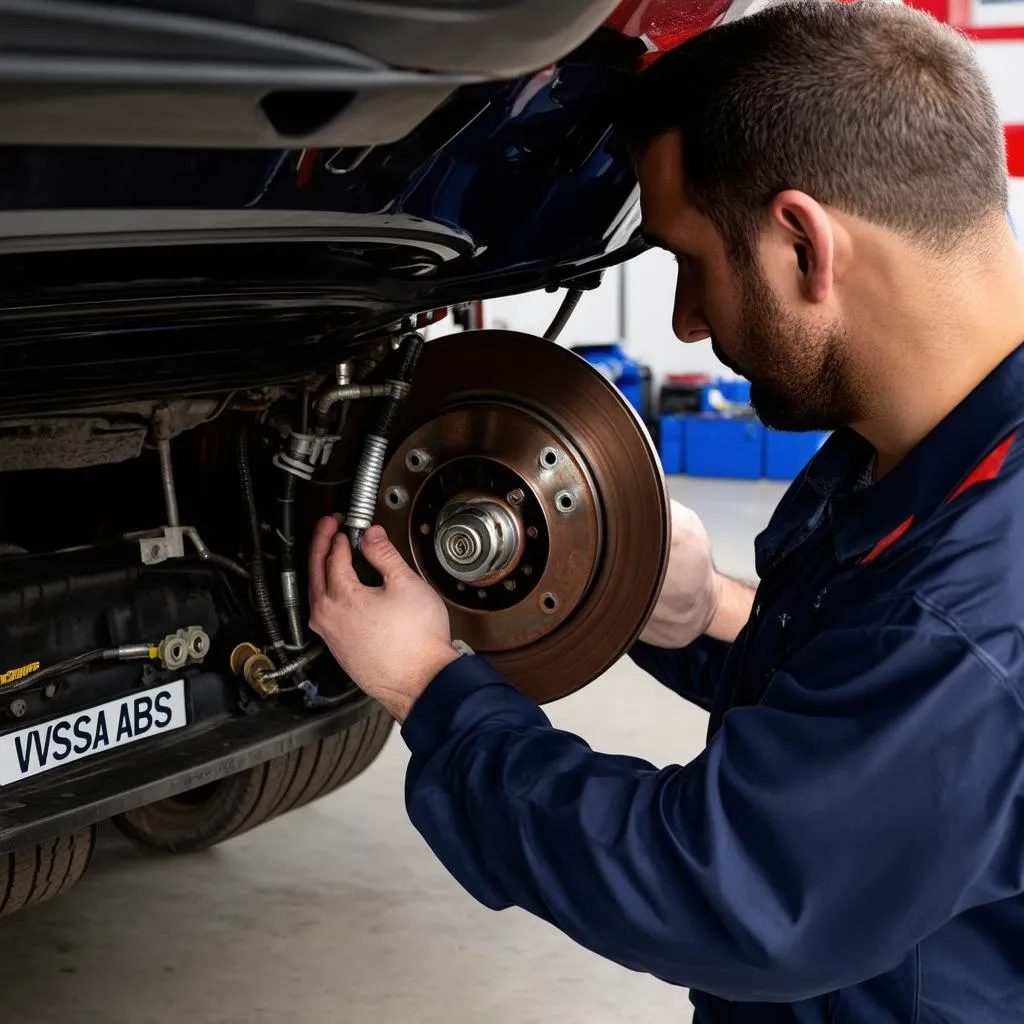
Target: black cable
61,668
564,314
411,351
257,567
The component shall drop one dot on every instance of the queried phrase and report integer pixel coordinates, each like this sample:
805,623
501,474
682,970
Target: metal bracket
163,545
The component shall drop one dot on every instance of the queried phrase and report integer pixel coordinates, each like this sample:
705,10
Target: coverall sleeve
816,840
692,672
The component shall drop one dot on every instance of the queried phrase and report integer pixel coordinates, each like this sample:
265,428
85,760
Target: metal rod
163,447
293,666
349,393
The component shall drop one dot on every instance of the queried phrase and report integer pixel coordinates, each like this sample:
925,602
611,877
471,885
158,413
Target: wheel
35,874
203,817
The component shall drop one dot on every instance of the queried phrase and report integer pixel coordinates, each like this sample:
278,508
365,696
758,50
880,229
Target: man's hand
695,599
692,590
391,640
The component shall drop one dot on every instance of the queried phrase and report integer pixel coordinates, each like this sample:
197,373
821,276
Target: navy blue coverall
850,845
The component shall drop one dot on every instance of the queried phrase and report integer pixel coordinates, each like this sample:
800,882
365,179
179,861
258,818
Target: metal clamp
305,454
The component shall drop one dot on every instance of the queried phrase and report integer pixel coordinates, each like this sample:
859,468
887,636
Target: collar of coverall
966,448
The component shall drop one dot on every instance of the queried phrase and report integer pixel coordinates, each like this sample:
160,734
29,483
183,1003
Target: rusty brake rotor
527,492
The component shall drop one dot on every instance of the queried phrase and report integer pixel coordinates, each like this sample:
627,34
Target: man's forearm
734,604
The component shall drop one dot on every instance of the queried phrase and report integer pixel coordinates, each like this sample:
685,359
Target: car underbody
220,245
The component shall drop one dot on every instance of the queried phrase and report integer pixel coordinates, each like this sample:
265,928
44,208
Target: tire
35,874
209,815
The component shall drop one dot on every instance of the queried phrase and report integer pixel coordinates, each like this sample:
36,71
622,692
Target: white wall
650,289
596,318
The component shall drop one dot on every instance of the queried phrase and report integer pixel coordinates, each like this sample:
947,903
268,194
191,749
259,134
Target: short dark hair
871,107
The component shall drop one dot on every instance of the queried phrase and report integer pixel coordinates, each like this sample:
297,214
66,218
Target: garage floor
338,913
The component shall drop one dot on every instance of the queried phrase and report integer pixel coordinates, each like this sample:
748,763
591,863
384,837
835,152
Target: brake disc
528,493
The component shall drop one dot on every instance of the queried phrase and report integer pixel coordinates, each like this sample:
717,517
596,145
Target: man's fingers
318,551
382,554
340,573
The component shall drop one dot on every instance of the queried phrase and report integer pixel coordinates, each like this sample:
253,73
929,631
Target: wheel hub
476,541
536,506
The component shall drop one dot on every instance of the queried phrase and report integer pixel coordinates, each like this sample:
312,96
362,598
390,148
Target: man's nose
688,320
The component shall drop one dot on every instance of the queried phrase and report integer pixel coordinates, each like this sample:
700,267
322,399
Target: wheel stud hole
549,603
549,458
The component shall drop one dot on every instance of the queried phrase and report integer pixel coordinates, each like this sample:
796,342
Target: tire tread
260,794
35,874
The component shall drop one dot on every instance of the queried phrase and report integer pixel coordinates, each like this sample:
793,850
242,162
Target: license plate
60,741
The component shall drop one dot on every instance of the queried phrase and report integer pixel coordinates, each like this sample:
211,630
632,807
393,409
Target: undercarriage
153,578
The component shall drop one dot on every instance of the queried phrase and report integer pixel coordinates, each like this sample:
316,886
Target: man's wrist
401,698
732,609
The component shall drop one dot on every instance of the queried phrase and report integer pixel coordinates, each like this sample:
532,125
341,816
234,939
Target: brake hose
257,567
564,314
363,504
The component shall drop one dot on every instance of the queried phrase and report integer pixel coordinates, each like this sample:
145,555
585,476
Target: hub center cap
476,540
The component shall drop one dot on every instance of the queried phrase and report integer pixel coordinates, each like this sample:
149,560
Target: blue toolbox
730,448
622,370
671,445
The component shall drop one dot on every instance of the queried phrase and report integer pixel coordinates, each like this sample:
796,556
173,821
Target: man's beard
798,379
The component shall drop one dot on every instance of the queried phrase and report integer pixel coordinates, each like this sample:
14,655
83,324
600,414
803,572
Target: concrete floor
338,913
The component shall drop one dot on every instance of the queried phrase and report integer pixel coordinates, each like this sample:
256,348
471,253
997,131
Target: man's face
794,362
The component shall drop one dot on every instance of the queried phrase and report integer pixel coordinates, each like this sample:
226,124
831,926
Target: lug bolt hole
396,497
417,461
565,502
549,458
549,603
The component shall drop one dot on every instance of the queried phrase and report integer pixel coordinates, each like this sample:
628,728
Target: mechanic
850,845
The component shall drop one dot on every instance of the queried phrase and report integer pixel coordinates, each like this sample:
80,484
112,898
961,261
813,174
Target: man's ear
802,229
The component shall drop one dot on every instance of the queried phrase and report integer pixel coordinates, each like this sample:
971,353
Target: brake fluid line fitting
365,487
188,646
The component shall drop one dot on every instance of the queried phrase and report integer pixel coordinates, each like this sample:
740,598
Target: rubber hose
286,535
257,568
564,314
